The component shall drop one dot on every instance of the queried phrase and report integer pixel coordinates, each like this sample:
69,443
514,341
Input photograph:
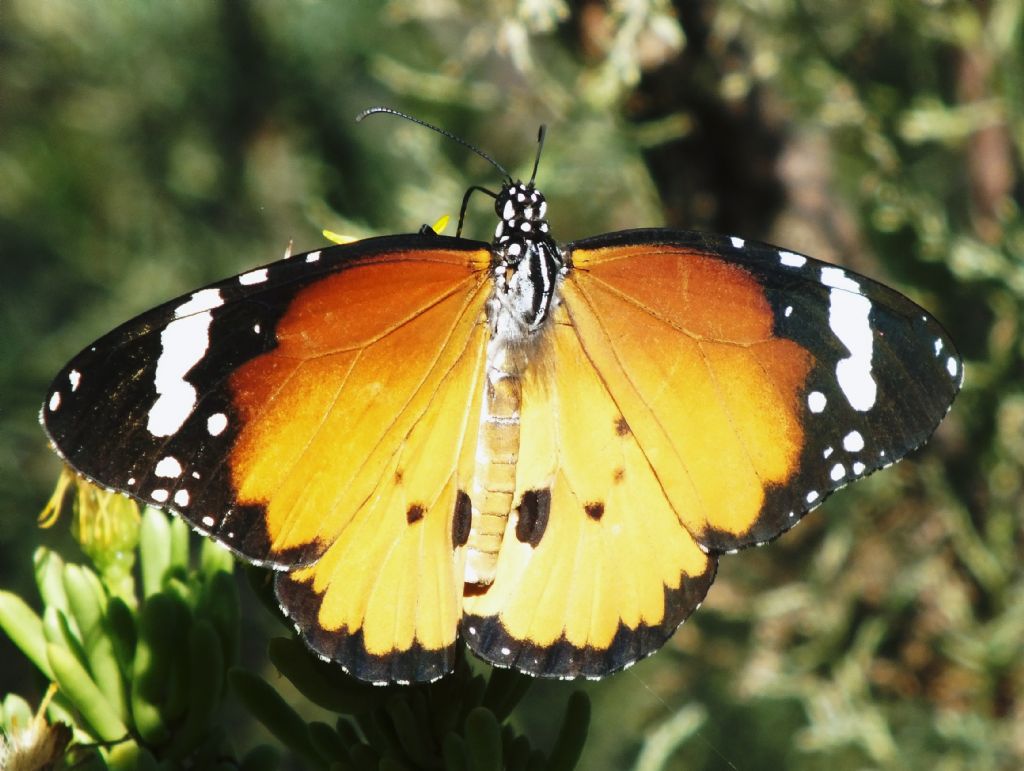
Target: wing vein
625,373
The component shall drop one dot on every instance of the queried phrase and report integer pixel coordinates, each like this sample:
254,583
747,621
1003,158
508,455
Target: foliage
142,671
148,148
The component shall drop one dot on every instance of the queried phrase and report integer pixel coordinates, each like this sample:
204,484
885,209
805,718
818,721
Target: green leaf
572,735
163,622
86,599
275,713
328,743
154,550
262,758
49,571
57,630
205,687
129,756
454,752
505,689
106,671
517,753
219,603
323,683
407,728
75,683
179,551
25,629
215,558
483,741
120,626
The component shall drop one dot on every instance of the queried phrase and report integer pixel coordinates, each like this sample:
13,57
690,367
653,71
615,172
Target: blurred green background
147,148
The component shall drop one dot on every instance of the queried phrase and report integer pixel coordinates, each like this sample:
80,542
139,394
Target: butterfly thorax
527,265
527,269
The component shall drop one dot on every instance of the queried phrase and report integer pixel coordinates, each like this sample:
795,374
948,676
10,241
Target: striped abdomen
494,480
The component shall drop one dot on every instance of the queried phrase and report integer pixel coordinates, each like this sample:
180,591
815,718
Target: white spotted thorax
527,269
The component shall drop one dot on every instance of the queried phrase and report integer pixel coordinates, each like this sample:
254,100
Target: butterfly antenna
441,131
541,133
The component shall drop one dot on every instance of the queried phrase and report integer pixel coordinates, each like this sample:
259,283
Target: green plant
142,660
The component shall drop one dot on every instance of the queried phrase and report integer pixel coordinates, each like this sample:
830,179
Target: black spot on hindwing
462,519
533,516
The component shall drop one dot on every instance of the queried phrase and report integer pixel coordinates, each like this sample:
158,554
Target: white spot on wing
848,318
312,256
203,300
789,311
853,442
952,367
257,276
181,497
792,260
828,452
812,496
816,401
159,495
837,472
216,423
737,242
54,401
209,521
74,377
183,343
168,467
938,345
858,468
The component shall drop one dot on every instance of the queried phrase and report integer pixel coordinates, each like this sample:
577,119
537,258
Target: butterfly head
522,210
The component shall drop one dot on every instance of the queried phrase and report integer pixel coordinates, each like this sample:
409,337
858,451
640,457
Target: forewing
321,412
756,380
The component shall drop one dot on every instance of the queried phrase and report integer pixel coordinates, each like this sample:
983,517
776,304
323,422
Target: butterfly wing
318,413
701,395
594,571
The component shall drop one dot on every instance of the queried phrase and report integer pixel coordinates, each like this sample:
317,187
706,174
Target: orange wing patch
684,343
358,434
609,575
324,414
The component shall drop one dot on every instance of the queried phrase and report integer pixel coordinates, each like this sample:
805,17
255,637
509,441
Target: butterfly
542,448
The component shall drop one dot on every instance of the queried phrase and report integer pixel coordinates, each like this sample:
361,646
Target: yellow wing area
612,573
651,422
358,434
